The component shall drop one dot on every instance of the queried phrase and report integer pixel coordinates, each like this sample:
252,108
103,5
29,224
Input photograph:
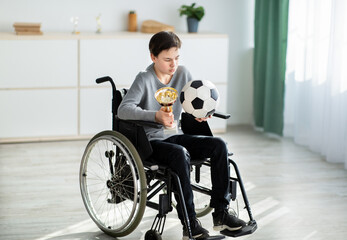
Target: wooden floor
293,192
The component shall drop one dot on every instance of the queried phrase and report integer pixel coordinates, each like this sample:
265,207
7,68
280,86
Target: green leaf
192,11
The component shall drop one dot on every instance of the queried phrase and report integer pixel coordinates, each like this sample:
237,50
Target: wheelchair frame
124,186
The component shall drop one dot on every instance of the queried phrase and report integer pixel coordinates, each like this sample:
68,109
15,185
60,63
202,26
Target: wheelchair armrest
190,126
221,115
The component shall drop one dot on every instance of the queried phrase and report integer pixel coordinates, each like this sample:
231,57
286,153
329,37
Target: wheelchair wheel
113,183
202,180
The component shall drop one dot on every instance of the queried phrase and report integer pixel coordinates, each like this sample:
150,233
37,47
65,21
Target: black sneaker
198,232
224,220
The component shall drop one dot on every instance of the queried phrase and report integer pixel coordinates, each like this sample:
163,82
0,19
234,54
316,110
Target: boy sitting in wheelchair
176,150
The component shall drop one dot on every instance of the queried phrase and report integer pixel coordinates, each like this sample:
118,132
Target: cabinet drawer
95,110
38,113
38,63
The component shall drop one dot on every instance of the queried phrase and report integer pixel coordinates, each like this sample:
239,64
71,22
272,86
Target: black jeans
176,152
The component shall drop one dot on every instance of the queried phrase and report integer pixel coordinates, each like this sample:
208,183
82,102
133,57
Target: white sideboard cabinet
38,88
47,83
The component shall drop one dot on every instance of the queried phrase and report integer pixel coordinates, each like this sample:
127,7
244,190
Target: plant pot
193,24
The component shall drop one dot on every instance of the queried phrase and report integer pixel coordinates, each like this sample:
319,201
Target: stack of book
27,28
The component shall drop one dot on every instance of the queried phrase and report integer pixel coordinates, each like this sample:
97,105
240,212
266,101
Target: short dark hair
162,41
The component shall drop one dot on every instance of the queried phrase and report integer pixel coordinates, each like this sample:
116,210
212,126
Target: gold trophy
166,97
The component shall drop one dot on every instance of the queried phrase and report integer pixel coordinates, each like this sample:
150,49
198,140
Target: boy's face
167,61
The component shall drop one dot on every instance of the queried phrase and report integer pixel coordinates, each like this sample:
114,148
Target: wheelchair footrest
248,229
217,237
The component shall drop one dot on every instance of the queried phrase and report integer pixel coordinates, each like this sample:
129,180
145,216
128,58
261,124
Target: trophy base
171,130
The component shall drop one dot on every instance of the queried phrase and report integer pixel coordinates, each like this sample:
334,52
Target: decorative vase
132,21
193,24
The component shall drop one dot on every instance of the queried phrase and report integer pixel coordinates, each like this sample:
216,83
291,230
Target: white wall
233,17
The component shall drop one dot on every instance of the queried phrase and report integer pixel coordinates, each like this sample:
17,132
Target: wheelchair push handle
104,79
107,79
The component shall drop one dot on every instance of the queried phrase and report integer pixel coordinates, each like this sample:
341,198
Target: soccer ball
199,98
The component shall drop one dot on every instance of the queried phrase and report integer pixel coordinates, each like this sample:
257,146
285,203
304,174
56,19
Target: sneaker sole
196,236
223,227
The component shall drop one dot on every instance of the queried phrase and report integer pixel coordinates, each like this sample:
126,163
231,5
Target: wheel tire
115,202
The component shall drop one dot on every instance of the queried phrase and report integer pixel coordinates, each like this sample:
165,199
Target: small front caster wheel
152,235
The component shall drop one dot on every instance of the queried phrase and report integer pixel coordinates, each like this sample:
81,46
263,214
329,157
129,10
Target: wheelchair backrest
119,97
131,129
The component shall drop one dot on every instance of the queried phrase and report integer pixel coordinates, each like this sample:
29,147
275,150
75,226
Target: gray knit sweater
140,104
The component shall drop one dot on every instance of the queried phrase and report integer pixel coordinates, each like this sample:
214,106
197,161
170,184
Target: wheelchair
118,179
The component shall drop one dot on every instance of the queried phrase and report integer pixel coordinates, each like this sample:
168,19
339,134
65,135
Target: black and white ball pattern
199,98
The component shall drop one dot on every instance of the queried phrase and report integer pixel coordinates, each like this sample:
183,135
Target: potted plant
194,15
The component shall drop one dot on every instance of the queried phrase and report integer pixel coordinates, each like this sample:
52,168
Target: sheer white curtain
316,77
